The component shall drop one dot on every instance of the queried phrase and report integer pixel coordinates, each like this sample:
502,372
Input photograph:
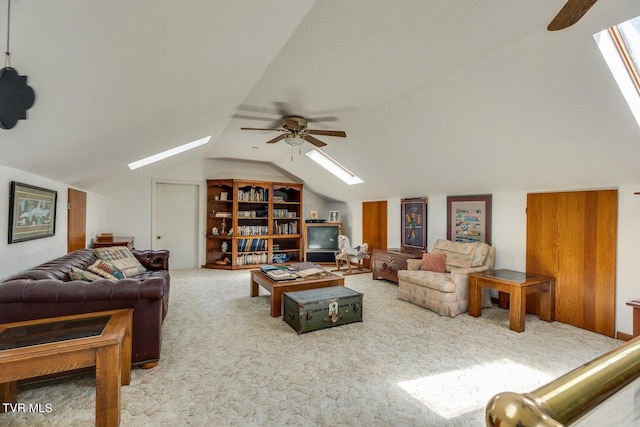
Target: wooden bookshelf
250,223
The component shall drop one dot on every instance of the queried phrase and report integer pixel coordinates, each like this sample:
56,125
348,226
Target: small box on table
313,309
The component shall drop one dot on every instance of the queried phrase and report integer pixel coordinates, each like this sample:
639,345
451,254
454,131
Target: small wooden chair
352,257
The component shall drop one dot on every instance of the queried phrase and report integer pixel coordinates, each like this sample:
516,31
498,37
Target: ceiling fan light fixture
294,140
334,167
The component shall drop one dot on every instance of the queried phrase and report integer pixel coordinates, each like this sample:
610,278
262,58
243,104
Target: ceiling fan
295,132
570,14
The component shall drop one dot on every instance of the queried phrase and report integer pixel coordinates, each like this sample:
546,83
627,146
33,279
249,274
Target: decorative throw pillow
87,276
106,270
121,258
434,262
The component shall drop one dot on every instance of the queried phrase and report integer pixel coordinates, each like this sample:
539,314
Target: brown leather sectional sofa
47,291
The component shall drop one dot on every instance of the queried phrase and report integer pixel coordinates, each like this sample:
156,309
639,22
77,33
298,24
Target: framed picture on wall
334,216
469,218
414,223
32,212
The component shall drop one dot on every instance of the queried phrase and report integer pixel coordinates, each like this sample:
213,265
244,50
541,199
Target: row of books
245,245
253,195
284,213
253,230
249,259
285,228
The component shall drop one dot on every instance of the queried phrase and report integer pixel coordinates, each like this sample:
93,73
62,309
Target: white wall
509,234
20,256
129,211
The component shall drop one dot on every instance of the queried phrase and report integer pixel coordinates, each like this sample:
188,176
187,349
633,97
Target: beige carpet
226,362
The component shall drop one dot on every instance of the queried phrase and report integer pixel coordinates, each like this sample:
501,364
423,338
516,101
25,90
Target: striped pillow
87,276
121,258
106,270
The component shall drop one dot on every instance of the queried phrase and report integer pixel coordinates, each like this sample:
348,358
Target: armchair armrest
455,272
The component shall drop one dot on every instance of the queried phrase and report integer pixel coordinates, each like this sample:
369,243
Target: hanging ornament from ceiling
16,97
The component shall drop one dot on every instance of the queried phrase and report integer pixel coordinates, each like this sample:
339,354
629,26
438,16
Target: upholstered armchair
352,257
446,292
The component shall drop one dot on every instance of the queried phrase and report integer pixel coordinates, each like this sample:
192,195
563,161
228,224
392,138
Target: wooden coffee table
517,285
46,346
258,278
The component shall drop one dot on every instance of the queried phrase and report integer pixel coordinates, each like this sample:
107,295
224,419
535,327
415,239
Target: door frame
200,202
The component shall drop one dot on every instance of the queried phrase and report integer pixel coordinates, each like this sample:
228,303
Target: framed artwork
469,218
32,212
414,223
334,216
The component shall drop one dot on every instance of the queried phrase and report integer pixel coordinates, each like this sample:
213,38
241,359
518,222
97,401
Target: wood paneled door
374,226
76,220
572,237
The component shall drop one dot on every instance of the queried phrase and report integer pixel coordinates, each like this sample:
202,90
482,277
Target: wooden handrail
569,397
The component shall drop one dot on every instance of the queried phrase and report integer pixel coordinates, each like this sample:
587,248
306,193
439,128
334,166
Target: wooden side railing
569,397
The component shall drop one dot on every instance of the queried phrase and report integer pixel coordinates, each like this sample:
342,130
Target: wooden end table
517,285
258,278
45,346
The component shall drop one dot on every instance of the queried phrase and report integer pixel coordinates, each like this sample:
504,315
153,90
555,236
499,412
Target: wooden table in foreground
45,346
517,285
258,278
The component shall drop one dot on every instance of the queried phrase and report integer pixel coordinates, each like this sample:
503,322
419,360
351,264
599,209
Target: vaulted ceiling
436,97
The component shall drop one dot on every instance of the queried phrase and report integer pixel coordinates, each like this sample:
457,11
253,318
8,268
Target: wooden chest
385,263
321,308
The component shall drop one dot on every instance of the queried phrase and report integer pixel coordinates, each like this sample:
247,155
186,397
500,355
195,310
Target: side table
45,346
517,285
385,263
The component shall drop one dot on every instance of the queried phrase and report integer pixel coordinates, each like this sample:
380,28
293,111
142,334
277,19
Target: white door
177,223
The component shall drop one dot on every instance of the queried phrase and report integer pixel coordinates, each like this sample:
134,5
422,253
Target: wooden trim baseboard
624,337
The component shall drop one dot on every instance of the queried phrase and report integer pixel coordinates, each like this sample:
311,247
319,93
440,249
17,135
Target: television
321,241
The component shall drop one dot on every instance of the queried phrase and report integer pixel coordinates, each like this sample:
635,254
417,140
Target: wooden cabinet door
572,237
374,226
76,220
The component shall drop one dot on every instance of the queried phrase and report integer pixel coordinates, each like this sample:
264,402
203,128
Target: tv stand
321,241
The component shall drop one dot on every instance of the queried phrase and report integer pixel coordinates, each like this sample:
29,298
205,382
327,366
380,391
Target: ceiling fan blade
277,138
314,141
245,117
570,14
340,133
275,130
323,119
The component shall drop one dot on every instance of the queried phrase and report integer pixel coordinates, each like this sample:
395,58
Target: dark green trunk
322,308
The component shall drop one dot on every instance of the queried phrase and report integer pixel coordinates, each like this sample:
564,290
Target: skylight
334,167
620,47
168,153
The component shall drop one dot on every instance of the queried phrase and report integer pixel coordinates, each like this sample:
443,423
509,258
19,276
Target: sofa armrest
414,264
153,260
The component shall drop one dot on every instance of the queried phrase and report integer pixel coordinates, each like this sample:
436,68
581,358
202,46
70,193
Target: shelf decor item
32,214
469,218
414,223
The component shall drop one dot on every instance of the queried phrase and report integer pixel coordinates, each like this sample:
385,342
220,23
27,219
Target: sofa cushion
122,258
428,279
480,255
106,270
459,254
434,262
87,276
